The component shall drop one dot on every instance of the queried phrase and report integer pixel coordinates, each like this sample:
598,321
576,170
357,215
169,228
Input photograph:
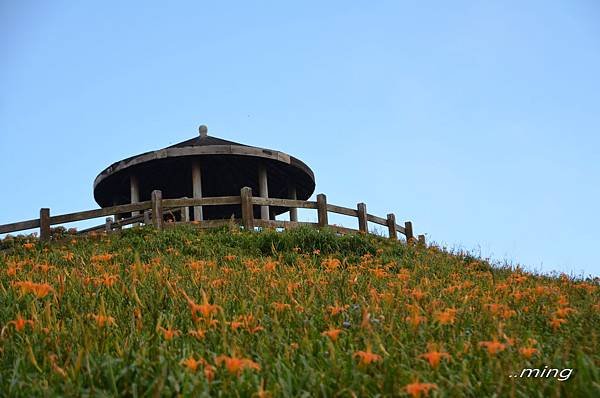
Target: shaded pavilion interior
207,166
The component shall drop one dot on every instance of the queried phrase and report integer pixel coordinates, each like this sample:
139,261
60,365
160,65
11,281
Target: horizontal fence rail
144,213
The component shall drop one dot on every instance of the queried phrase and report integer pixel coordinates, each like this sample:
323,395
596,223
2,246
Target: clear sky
478,121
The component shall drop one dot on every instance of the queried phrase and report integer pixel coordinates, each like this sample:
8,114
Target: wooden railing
142,212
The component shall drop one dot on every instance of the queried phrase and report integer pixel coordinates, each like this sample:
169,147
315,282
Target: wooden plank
157,211
391,224
106,211
322,210
304,204
342,210
362,218
247,208
44,224
215,201
400,229
377,220
127,221
19,226
92,229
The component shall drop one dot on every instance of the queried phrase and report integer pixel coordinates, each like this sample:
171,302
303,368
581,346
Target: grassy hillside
299,313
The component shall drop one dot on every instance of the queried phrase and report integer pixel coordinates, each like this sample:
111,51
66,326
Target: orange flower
446,317
331,264
198,333
557,322
270,266
101,258
528,352
236,365
68,256
336,309
40,290
279,307
229,257
415,319
434,357
191,363
168,334
205,309
367,357
20,323
333,334
28,245
493,347
416,389
102,320
564,311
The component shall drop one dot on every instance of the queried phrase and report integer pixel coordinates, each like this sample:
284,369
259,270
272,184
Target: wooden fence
143,212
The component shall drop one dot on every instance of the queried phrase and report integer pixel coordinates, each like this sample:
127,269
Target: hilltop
303,312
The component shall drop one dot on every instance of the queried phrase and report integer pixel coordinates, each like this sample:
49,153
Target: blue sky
478,121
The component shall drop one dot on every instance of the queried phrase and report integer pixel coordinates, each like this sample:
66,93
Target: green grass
289,282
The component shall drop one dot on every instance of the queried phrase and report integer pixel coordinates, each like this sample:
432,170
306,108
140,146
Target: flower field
296,313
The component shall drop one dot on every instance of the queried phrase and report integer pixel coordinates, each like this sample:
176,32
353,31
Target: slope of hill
297,313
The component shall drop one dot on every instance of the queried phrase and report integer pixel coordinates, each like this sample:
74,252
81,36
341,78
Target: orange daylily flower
336,309
40,290
205,309
415,319
102,320
331,264
528,352
198,333
564,311
191,363
557,322
493,347
446,317
416,389
100,258
236,365
333,334
229,257
434,357
169,334
20,323
279,307
367,357
28,245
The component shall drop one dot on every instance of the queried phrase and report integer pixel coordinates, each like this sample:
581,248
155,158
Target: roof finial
203,131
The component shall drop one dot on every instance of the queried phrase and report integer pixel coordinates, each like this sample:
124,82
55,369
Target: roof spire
203,131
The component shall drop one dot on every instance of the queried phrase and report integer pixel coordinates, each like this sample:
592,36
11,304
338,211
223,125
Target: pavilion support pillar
134,188
263,190
197,189
292,195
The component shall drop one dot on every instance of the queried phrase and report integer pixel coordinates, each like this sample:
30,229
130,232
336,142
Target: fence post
391,224
185,212
108,224
44,224
247,208
408,231
322,210
362,218
157,214
422,240
147,217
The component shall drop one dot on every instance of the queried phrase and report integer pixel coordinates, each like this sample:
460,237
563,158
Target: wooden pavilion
206,166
